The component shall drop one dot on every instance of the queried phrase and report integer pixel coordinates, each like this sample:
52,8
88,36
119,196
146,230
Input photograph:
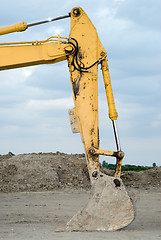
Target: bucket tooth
109,207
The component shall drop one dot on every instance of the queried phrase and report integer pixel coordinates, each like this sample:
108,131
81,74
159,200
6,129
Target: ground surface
37,216
41,192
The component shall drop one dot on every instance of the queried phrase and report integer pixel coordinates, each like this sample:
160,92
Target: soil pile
48,171
42,171
144,179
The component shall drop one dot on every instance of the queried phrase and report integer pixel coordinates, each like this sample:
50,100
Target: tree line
128,167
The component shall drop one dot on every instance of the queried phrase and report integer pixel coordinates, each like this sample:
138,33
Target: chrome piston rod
48,20
116,136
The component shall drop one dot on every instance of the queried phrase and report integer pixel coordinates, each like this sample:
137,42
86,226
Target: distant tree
127,167
105,164
154,164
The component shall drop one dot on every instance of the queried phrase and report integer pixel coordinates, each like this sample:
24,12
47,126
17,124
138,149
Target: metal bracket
74,121
95,151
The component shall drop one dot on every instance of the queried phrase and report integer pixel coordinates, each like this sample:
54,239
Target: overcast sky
34,101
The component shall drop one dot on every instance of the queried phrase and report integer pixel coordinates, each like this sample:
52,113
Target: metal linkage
95,151
48,20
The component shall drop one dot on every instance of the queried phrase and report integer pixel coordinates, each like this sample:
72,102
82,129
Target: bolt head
121,154
76,12
117,182
94,174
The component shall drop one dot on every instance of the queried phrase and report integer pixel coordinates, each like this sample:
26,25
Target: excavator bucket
109,207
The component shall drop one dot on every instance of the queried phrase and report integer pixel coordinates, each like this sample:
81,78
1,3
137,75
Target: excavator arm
109,207
23,54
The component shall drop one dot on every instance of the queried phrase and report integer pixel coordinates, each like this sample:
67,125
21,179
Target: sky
34,101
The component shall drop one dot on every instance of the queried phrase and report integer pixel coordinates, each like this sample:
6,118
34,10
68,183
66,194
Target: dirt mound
42,171
144,179
47,171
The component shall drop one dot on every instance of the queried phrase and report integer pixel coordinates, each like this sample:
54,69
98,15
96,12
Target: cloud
157,120
143,13
27,73
61,103
34,100
55,31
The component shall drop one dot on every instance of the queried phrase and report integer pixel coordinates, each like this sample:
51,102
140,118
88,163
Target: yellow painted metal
95,151
17,27
50,39
118,168
24,54
109,93
85,84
